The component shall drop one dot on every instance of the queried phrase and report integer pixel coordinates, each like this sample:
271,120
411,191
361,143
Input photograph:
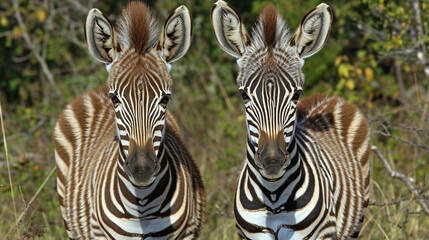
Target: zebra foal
306,175
123,171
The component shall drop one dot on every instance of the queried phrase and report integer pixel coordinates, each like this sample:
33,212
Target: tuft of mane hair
136,27
268,18
270,30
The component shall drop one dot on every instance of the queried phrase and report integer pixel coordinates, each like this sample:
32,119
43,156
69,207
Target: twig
396,201
48,24
6,33
23,201
8,170
375,34
414,212
387,133
39,124
421,51
401,177
34,47
421,48
410,129
79,6
399,79
23,58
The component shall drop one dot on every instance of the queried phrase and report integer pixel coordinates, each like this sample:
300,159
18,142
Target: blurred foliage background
376,57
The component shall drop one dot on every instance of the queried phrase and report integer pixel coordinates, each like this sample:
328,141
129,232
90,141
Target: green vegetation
371,59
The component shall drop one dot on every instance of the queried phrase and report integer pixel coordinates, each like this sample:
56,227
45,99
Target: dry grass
9,173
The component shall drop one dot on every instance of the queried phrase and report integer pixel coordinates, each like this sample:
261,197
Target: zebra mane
136,27
270,30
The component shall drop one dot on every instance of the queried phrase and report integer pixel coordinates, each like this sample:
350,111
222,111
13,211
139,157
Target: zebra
306,173
123,171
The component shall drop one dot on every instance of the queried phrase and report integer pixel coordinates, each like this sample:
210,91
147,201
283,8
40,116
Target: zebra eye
115,100
244,95
165,100
296,95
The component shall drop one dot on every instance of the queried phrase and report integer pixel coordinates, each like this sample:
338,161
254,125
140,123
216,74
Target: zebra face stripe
270,84
140,91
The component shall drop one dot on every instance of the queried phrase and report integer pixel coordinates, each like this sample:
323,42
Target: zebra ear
176,35
100,36
313,32
229,30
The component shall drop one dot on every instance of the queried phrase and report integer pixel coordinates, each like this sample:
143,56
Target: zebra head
138,62
270,78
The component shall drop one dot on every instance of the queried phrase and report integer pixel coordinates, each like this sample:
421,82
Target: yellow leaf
40,15
3,21
343,70
381,5
369,74
337,61
350,84
406,68
16,32
359,71
340,84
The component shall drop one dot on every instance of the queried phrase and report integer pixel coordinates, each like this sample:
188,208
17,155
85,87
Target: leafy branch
34,47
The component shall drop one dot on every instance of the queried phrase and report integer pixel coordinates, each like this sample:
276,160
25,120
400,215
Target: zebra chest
267,223
296,211
137,228
128,221
127,213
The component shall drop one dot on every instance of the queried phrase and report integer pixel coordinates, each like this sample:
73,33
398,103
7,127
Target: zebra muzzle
272,157
273,167
142,165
